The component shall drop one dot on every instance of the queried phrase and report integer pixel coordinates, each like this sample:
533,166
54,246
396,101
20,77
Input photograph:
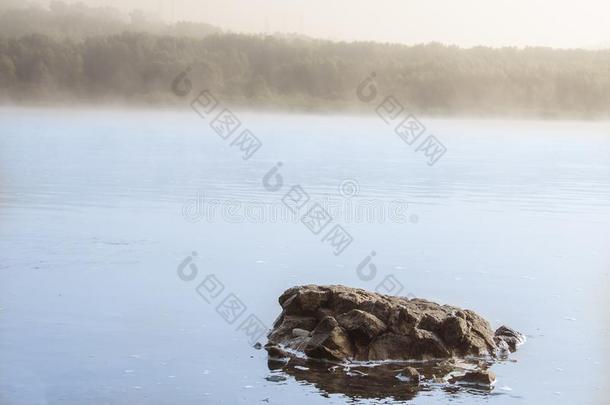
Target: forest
78,54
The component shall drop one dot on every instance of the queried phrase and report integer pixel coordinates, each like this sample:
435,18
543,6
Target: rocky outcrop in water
434,346
339,323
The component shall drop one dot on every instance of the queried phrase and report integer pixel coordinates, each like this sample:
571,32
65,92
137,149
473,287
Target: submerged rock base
385,380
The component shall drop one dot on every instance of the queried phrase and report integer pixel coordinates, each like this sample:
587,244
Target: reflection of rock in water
396,381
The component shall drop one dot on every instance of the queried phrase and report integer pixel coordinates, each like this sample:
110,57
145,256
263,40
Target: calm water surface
513,222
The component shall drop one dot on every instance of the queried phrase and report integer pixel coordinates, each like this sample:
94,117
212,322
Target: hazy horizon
494,23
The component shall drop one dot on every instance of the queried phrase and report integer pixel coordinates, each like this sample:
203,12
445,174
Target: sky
555,23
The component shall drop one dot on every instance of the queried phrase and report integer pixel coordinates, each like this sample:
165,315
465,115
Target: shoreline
364,111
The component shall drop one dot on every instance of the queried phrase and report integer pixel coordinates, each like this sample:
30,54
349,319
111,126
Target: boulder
511,338
340,323
361,324
329,341
482,378
409,374
296,332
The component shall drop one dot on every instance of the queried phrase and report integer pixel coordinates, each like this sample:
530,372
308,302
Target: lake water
98,208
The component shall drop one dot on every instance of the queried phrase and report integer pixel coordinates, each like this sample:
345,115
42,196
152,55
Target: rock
512,338
285,324
391,346
409,374
297,332
339,323
303,301
329,341
484,378
275,352
275,378
503,350
361,324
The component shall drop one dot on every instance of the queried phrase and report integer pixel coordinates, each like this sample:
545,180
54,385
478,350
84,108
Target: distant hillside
82,60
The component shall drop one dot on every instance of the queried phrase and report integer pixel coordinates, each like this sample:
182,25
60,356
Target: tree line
304,73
